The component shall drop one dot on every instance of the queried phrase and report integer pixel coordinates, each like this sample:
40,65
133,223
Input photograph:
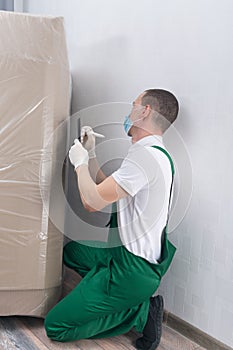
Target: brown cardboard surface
34,94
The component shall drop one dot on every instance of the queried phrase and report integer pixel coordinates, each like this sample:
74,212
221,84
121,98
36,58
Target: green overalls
114,293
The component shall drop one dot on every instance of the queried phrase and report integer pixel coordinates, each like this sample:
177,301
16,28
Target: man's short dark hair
163,102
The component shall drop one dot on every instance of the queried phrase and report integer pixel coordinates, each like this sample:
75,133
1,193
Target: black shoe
152,331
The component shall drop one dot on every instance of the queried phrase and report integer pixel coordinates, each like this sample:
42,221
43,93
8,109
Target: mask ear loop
134,121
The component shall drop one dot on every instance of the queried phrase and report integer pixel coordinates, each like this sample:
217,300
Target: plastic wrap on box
35,96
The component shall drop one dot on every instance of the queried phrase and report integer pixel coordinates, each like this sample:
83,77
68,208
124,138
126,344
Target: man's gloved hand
78,154
88,140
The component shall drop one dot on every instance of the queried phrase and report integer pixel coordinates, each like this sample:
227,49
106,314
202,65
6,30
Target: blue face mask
127,124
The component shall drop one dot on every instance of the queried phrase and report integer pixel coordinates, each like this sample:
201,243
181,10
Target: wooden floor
27,333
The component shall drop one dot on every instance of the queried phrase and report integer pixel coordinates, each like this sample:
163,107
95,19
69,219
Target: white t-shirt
146,175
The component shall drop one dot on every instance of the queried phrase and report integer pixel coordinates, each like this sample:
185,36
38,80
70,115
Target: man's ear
147,111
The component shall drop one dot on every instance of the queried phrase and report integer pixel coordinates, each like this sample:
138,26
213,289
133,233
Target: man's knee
53,330
50,328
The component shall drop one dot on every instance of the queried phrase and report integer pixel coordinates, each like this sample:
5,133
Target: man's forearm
88,190
96,173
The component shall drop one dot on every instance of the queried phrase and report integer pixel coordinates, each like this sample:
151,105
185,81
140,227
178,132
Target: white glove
88,140
78,154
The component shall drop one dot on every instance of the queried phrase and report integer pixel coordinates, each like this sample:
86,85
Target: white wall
119,48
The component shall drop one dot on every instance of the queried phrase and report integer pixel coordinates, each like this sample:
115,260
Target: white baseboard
193,333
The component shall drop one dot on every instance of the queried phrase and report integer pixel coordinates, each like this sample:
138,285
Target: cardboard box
34,95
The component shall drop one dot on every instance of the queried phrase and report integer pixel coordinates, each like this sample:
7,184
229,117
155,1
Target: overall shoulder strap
169,157
173,172
165,243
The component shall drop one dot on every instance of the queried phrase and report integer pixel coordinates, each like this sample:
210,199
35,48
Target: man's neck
140,134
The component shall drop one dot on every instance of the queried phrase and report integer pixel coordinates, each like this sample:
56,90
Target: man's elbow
89,208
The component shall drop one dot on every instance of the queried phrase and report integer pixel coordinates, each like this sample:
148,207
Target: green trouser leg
90,311
113,295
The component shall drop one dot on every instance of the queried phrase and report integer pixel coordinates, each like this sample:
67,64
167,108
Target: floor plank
5,341
27,331
85,344
36,326
126,340
115,343
174,341
16,335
